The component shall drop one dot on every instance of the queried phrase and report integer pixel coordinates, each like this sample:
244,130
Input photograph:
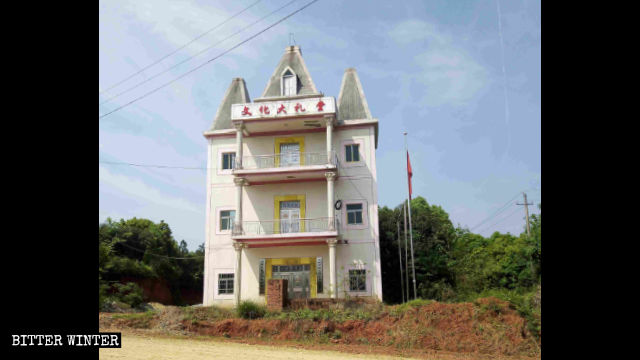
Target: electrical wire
501,220
501,209
154,166
181,47
197,54
209,61
162,256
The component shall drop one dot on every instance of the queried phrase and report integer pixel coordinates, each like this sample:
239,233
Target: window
352,152
262,276
228,160
357,280
225,284
226,219
319,288
289,84
354,214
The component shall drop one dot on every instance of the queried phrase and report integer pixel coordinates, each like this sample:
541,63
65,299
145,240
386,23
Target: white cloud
410,31
450,76
143,193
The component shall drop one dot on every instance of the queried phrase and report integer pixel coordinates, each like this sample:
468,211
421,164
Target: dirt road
140,347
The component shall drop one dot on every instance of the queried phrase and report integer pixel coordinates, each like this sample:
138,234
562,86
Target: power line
501,209
198,67
501,220
181,47
162,256
197,54
154,166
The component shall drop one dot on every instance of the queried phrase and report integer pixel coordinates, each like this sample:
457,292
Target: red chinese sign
319,105
264,110
281,109
299,107
245,111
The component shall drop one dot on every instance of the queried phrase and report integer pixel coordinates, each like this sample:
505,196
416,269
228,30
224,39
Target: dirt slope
488,326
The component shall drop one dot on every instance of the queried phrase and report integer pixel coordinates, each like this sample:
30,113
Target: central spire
291,77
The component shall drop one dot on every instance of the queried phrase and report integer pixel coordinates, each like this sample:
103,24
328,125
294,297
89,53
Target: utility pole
400,255
526,212
406,249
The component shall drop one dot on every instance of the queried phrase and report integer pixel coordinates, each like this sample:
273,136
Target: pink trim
280,118
286,132
288,238
284,181
295,243
349,127
281,172
220,135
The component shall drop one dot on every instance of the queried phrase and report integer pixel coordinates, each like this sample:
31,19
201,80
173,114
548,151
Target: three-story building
292,190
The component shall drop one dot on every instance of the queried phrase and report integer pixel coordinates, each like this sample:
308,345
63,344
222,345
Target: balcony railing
288,160
270,227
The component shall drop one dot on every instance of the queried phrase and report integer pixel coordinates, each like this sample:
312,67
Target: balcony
286,167
264,231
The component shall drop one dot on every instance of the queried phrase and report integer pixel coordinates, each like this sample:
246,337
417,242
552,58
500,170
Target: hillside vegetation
486,326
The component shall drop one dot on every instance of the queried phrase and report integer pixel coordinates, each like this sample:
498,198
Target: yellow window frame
293,261
276,210
288,140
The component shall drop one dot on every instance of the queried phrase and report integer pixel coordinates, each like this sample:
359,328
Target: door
290,216
298,279
289,154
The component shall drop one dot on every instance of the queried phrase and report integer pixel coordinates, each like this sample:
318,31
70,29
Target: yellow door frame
286,140
293,261
276,210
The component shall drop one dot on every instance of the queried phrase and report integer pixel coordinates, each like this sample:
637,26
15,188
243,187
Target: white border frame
355,265
217,219
365,214
216,272
295,76
361,152
223,150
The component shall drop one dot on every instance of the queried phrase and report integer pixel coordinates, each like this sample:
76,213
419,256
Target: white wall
355,182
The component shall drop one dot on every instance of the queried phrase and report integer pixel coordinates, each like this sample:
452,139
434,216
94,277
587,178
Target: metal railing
270,227
287,160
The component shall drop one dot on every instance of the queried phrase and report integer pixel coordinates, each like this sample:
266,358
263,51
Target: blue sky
467,93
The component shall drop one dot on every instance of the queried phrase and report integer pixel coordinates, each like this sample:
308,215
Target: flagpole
406,248
413,264
400,255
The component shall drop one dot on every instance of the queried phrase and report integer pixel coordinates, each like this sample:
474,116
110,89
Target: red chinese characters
281,109
299,107
264,110
246,111
320,105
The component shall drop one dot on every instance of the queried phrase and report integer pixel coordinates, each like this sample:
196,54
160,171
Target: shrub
251,310
129,294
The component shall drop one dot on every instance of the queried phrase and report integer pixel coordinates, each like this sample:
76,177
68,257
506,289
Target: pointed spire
291,60
352,103
236,93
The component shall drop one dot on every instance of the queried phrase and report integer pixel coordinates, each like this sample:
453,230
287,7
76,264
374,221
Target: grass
366,313
206,313
251,310
522,300
400,310
137,320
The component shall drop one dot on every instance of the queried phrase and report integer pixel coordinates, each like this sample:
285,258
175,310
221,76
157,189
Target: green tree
140,248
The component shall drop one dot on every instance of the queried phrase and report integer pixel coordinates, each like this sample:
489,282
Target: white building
292,190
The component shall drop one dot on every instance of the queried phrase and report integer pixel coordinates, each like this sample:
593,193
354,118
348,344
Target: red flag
409,174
